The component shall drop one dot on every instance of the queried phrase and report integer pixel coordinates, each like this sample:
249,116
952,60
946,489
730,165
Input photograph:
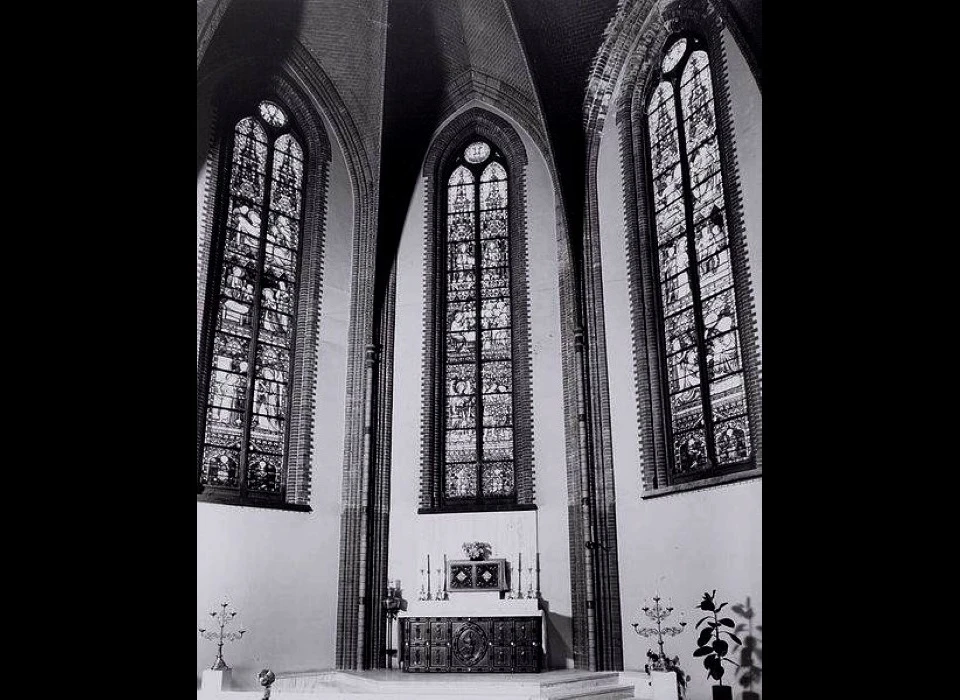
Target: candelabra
658,614
392,604
222,619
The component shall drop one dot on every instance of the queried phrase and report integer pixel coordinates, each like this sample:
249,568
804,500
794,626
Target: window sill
703,483
477,508
225,499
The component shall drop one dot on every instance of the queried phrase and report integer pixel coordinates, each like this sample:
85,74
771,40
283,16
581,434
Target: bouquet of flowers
477,551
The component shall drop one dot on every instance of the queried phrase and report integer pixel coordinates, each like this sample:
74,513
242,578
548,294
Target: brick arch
227,109
475,122
700,17
481,122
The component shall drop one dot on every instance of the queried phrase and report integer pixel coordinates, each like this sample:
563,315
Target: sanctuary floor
349,685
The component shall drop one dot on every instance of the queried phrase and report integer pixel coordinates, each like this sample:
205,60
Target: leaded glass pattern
245,429
709,425
478,366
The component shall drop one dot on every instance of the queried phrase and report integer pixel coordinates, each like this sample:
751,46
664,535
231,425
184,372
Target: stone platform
348,685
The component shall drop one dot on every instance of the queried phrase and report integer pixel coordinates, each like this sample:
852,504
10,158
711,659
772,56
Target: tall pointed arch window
478,445
254,271
705,393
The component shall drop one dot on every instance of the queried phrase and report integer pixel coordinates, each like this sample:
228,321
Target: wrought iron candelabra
658,614
222,618
392,604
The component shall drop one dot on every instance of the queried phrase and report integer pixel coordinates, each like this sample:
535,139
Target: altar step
345,685
592,685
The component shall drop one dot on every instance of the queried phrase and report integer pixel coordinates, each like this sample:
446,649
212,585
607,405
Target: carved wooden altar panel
471,644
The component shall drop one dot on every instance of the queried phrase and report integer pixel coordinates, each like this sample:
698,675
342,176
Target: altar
471,627
480,636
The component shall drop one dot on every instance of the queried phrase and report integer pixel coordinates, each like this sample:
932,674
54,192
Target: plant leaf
727,621
739,628
732,662
721,607
738,609
734,637
703,651
704,637
720,646
700,622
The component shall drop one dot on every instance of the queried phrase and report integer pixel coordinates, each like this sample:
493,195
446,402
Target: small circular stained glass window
477,152
674,55
272,114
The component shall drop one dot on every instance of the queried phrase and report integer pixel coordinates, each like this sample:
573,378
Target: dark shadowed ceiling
401,67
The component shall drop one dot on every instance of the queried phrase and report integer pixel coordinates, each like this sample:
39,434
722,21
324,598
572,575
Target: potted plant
712,646
750,652
656,662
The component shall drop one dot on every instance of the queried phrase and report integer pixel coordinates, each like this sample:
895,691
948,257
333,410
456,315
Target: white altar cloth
472,605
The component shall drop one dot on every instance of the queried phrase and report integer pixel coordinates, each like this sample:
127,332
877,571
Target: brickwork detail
303,377
698,16
485,124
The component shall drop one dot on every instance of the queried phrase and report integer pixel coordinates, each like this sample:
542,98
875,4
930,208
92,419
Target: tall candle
444,576
519,574
428,578
538,574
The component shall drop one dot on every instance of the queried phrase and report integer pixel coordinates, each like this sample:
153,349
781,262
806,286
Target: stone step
579,686
613,692
349,685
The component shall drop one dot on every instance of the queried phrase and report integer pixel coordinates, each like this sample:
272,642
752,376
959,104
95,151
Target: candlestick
429,596
519,574
446,595
538,575
530,585
423,594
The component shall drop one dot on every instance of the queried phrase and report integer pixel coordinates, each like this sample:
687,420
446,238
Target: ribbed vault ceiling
402,66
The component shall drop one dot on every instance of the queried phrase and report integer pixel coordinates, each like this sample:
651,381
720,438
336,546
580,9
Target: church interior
479,324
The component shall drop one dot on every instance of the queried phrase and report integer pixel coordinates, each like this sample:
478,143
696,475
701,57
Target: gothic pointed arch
259,280
477,444
696,346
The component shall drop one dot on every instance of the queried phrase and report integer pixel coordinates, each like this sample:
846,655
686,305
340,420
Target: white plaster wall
682,544
413,536
278,568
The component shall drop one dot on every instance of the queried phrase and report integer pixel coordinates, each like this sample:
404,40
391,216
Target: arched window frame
232,105
658,474
473,125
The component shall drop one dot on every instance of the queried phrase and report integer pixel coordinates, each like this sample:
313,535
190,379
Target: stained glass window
479,426
709,425
246,410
